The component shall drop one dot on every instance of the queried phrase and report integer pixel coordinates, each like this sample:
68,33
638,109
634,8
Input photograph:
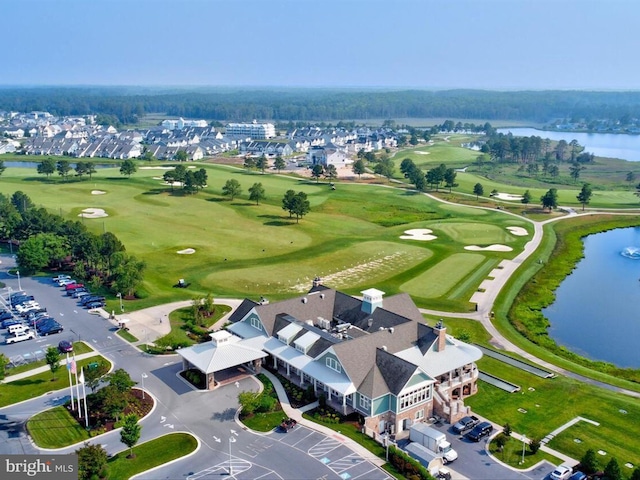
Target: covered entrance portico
225,359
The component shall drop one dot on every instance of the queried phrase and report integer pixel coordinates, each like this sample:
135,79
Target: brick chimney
441,331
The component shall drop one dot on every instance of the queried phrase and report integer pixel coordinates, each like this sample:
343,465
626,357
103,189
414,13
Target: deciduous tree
316,171
231,188
46,167
256,193
358,167
130,433
550,199
128,168
92,461
63,167
52,358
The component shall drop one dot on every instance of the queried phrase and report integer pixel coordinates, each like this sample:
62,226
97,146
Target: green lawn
55,428
39,384
78,348
151,454
258,250
127,336
550,403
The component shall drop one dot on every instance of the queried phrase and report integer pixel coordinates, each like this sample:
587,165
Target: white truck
434,440
19,337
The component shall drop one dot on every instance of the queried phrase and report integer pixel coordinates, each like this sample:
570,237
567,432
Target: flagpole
84,394
77,388
73,407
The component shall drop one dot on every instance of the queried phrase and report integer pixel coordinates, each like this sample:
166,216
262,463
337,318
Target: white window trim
333,364
414,397
255,323
364,402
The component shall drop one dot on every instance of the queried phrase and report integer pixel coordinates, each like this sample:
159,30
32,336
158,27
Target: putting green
443,276
362,264
472,233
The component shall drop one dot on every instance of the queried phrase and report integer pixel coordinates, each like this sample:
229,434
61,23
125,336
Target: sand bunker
93,213
508,197
490,248
421,153
518,231
97,192
421,234
157,168
186,251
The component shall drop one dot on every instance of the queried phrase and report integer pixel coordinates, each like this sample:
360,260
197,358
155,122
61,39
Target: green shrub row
410,468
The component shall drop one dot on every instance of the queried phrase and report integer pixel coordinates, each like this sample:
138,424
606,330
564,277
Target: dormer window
333,364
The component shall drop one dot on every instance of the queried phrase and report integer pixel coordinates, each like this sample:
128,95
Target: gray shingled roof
395,371
242,310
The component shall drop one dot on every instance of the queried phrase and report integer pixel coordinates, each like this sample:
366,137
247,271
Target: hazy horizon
503,45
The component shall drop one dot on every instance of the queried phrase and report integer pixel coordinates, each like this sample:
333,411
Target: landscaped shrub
408,466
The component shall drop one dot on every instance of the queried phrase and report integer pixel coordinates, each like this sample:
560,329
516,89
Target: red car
73,286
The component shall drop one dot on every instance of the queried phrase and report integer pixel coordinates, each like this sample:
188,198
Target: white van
17,328
19,337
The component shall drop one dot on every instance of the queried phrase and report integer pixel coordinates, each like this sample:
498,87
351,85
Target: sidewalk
149,324
296,414
45,368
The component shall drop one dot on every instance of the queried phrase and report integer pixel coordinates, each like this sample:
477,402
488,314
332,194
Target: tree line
48,241
129,104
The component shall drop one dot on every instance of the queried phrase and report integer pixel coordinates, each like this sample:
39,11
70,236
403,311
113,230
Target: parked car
65,346
66,281
71,291
480,431
287,424
80,293
5,315
50,328
91,298
561,472
578,476
58,278
20,337
17,328
94,304
34,322
72,286
21,299
465,423
27,307
9,321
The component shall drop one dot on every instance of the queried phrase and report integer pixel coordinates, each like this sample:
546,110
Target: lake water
608,145
597,309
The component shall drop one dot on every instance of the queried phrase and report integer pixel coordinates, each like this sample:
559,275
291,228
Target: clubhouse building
375,356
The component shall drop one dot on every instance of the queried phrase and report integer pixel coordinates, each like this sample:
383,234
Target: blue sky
490,44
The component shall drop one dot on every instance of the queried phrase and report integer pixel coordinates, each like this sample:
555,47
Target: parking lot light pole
523,444
231,440
144,375
18,274
119,295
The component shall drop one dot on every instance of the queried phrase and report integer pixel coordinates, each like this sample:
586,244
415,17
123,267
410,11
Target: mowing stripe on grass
475,278
442,277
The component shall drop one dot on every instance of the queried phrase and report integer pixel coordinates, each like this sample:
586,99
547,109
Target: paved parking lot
331,452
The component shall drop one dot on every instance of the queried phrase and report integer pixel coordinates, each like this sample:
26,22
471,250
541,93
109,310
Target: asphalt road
210,416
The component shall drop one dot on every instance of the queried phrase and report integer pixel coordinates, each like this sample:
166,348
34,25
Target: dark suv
479,431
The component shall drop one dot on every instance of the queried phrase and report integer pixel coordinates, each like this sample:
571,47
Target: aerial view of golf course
447,246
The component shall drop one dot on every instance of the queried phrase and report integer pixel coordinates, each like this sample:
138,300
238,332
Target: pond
597,308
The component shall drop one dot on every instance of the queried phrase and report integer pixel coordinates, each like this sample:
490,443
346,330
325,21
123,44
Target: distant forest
128,104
